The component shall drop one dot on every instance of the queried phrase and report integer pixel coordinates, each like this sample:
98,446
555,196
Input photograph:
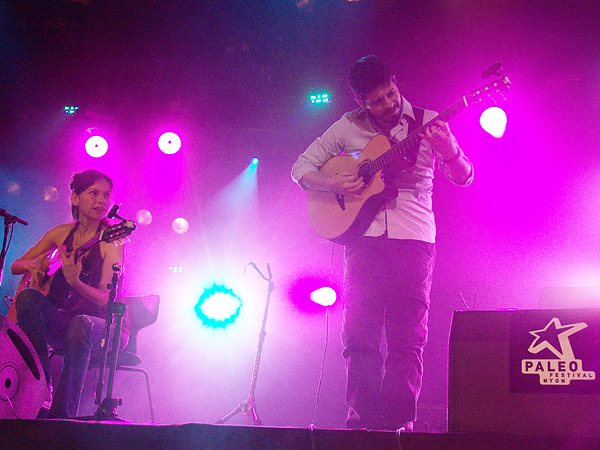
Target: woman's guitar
342,219
53,262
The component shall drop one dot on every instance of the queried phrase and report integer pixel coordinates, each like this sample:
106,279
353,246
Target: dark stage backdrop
232,78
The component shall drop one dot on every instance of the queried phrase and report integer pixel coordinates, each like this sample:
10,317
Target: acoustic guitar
341,218
53,262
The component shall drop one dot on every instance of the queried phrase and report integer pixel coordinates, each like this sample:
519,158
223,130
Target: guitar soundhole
364,172
85,277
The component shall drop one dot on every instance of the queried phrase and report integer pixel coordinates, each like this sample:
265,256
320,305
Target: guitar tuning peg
121,241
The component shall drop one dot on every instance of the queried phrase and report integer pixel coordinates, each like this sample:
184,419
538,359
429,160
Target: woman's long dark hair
83,180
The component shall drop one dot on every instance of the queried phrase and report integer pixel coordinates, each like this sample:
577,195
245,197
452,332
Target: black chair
142,312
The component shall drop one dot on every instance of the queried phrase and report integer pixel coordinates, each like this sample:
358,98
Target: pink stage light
14,188
493,120
143,217
96,146
180,225
169,143
324,296
50,194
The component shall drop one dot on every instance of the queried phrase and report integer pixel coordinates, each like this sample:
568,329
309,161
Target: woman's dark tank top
70,300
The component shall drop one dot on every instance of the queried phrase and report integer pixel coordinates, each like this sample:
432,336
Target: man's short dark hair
366,74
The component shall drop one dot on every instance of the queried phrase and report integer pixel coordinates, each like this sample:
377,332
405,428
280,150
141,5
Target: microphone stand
9,221
107,409
248,406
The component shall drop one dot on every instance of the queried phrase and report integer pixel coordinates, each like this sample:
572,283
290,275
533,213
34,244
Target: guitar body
50,265
340,218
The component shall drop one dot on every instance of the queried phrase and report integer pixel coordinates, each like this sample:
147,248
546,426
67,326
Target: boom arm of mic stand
9,221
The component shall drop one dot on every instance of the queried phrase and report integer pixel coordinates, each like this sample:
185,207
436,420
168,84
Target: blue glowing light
218,306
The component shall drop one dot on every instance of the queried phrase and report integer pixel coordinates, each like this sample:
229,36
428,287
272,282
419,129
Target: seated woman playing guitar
66,307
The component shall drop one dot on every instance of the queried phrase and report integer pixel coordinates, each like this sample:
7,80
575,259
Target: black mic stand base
107,411
248,408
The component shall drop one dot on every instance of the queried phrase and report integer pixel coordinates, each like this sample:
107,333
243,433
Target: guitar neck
87,246
402,148
109,234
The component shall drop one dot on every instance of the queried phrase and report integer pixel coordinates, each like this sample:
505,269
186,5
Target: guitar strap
396,168
414,125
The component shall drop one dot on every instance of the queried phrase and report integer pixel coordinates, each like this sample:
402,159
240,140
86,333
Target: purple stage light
324,296
96,146
310,292
169,143
493,120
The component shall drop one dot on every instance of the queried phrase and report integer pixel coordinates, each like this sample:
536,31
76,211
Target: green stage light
71,109
319,99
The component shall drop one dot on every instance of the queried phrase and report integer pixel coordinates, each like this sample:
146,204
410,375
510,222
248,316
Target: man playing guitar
67,310
389,263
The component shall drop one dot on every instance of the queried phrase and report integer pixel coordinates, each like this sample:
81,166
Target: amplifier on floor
23,385
528,372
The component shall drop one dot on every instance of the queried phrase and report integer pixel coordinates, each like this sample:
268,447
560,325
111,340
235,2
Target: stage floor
71,434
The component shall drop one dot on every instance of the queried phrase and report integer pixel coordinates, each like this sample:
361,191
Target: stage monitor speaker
525,372
555,297
23,385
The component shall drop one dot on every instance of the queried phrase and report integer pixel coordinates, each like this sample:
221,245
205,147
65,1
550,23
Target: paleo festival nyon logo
565,367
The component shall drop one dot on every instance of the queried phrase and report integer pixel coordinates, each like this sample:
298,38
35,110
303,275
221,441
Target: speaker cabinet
525,372
23,385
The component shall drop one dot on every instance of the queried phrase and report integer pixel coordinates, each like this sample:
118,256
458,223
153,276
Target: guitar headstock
488,91
118,231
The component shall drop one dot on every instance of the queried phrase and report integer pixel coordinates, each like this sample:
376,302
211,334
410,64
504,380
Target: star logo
555,337
565,367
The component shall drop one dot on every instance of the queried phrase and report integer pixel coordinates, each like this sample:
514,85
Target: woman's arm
31,261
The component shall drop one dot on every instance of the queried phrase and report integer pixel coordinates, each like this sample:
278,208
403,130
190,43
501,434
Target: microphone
113,212
493,70
9,218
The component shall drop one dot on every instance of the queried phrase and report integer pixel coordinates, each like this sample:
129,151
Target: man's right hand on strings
345,183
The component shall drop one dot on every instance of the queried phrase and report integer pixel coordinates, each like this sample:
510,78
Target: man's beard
391,117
